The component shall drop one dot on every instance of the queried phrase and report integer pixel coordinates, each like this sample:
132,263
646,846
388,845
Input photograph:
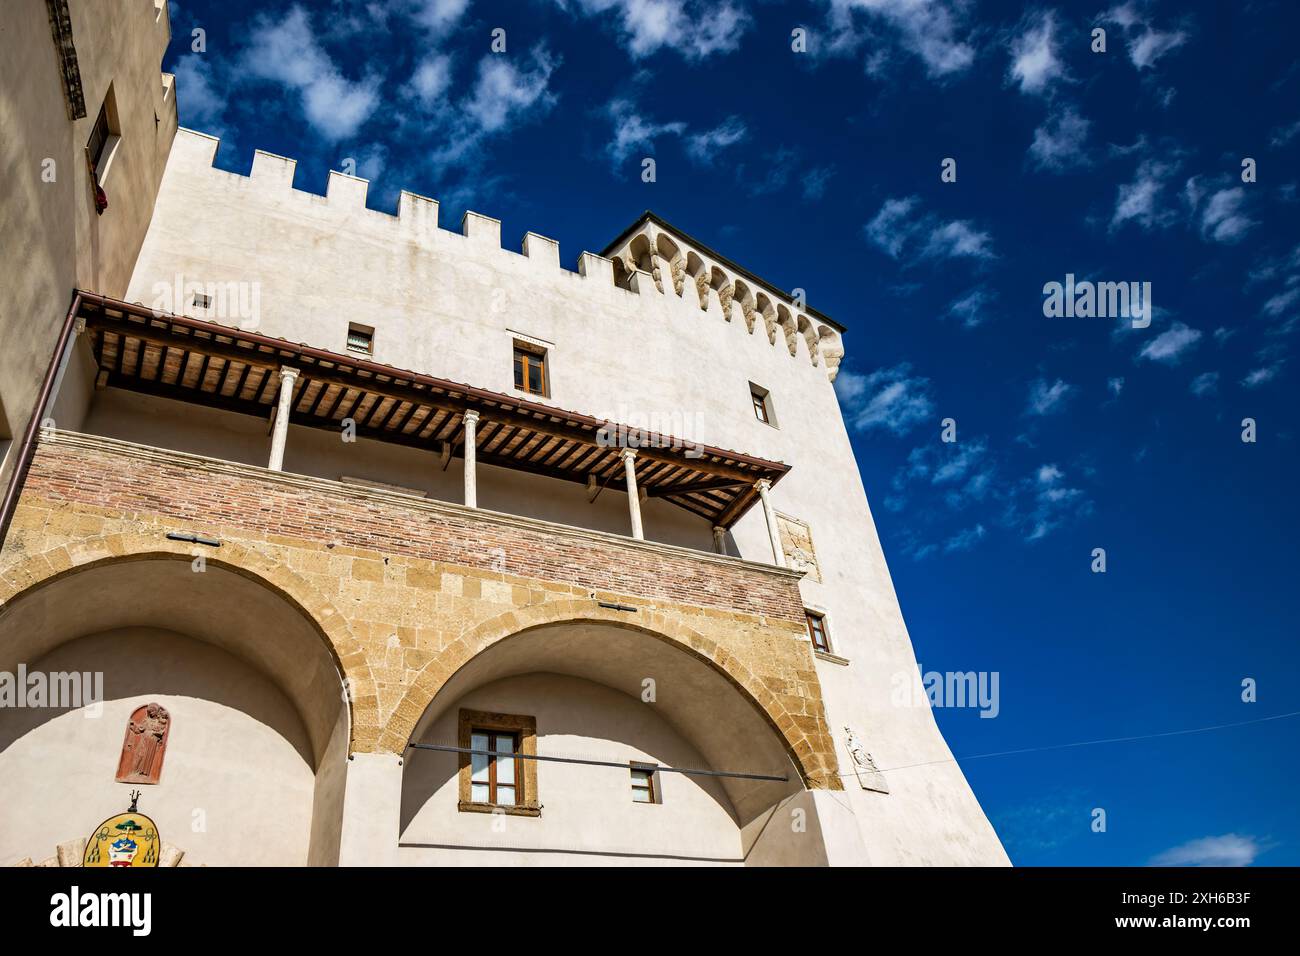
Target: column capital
470,417
627,453
288,373
763,484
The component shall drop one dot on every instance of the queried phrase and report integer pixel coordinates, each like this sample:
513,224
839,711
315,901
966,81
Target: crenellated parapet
650,258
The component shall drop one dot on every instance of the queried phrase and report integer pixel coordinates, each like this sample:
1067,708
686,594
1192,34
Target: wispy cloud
1060,142
1230,849
695,29
1146,44
1262,375
1048,398
900,225
198,98
1207,383
1035,63
1171,346
892,399
935,31
972,309
1143,201
704,147
1047,502
1219,213
287,51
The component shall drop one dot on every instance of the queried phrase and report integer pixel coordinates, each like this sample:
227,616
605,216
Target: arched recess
810,338
720,284
700,716
699,274
257,751
786,324
670,254
643,257
763,305
746,299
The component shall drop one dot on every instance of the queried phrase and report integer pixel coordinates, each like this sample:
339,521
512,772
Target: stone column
778,556
471,459
633,498
288,377
372,810
719,539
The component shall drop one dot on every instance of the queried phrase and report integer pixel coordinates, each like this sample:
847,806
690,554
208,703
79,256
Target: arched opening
258,722
746,299
672,256
763,305
604,692
786,324
699,274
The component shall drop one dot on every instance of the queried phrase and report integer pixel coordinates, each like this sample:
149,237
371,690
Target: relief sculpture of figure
145,745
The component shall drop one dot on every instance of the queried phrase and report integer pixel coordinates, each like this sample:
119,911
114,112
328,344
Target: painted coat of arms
126,839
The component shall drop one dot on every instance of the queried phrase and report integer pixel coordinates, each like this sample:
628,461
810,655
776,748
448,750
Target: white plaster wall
588,816
237,757
445,304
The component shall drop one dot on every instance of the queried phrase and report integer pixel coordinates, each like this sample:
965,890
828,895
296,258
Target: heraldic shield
127,839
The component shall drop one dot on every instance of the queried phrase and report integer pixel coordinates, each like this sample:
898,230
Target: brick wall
200,494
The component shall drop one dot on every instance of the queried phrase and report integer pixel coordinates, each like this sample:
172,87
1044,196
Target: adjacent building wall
54,241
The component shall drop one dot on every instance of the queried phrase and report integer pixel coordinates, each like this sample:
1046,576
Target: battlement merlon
650,257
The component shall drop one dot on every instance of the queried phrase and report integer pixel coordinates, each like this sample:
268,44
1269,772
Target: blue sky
820,169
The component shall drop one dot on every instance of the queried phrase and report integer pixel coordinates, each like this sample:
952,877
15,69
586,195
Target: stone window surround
526,727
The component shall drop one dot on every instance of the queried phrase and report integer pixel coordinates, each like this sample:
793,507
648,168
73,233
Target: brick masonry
405,590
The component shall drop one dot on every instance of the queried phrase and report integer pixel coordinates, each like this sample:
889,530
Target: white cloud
1052,503
431,79
704,147
1143,200
958,239
1279,303
1115,386
894,227
932,30
1146,44
1222,219
1262,376
1207,383
1170,345
438,15
198,101
287,52
1048,398
503,91
964,540
694,28
972,308
1059,142
1231,849
1035,66
633,132
889,398
1284,134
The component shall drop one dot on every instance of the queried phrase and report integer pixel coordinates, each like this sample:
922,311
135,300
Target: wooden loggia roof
201,362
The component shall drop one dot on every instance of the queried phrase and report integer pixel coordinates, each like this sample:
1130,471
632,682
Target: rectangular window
817,631
761,399
645,787
99,134
361,338
202,301
530,369
494,776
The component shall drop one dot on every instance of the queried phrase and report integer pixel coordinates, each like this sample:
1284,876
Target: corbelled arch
814,763
45,568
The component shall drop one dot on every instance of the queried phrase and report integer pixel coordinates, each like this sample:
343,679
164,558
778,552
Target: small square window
761,400
645,783
202,301
817,631
530,369
361,339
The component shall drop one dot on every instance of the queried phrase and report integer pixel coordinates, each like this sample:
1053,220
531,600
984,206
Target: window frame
523,728
651,789
108,131
530,354
760,400
811,615
359,329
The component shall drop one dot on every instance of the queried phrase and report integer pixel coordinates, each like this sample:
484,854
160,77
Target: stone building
366,521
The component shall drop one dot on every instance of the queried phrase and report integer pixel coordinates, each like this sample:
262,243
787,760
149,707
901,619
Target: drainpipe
49,385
